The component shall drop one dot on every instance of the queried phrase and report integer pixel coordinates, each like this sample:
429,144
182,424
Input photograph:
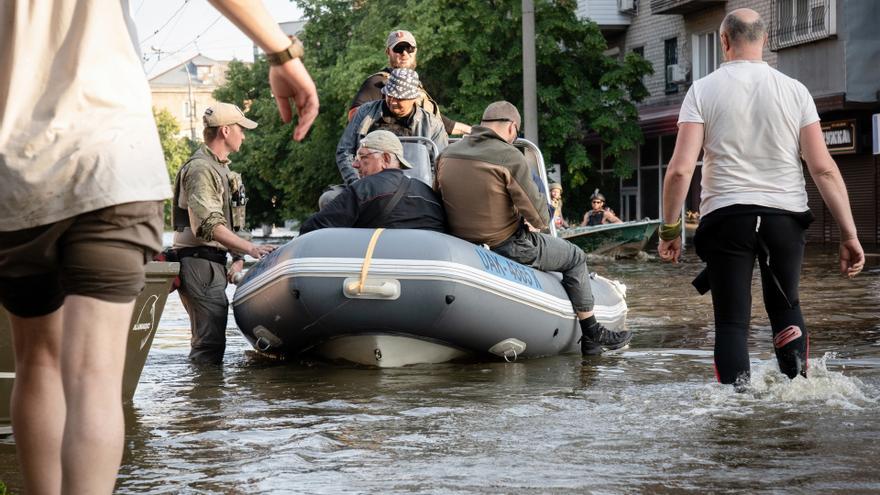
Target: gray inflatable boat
397,297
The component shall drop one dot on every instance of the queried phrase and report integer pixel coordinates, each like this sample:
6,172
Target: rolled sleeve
204,196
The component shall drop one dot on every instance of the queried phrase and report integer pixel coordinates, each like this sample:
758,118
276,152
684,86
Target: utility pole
191,106
530,97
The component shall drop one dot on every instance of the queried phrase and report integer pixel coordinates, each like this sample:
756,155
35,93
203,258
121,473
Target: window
796,22
188,111
670,58
706,53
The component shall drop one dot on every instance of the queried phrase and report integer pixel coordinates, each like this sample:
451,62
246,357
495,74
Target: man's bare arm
828,180
678,180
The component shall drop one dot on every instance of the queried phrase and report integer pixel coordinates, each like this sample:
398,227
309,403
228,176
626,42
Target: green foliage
176,149
470,54
3,490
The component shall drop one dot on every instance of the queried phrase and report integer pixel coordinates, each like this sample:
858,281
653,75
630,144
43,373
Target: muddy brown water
649,419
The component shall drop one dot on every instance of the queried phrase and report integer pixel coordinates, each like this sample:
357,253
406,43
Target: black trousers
729,244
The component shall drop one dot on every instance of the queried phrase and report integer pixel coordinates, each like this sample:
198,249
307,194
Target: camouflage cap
220,114
387,142
555,185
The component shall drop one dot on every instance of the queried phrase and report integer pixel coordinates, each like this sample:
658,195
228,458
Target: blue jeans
552,254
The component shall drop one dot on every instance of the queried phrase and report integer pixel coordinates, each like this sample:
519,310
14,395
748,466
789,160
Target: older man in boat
384,196
489,196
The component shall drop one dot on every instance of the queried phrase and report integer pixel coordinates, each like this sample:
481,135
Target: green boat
144,322
621,240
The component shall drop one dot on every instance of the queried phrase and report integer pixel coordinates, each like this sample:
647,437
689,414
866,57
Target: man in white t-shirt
753,123
83,180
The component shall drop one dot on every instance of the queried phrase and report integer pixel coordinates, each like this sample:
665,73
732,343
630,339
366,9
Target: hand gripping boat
397,297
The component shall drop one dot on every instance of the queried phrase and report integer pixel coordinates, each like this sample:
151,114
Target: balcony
681,7
796,22
611,15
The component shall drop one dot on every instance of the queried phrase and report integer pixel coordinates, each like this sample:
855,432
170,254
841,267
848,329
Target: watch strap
295,50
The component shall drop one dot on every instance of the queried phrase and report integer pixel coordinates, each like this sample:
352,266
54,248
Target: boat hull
620,240
420,287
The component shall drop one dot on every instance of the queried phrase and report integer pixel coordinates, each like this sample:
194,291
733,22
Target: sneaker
597,338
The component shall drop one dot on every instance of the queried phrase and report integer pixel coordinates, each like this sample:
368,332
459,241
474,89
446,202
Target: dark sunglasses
401,47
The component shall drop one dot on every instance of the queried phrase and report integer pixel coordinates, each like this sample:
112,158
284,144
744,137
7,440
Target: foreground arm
678,181
289,80
827,177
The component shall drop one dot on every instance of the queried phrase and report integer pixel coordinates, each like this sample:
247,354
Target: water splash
828,387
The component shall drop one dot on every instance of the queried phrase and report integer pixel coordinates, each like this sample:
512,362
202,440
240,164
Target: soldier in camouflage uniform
209,203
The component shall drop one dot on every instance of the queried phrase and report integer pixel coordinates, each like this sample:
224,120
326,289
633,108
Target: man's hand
234,269
259,250
852,257
292,80
670,250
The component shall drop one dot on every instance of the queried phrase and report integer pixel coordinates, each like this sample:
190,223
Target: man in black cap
489,195
401,49
397,113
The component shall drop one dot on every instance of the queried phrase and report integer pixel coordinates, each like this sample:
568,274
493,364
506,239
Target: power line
166,22
192,41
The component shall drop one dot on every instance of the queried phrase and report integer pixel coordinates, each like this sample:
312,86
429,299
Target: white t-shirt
752,116
77,131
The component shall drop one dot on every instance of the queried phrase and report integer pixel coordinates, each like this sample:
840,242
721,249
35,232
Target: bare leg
38,407
92,362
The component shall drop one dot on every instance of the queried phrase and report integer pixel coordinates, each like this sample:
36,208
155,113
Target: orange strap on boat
368,257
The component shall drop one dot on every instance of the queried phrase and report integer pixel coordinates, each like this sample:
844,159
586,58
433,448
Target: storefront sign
840,136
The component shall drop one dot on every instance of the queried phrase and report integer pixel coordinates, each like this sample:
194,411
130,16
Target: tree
176,149
470,54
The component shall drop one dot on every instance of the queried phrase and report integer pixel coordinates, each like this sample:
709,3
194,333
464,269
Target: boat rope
368,257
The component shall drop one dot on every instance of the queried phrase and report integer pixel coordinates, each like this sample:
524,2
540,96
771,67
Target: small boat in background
620,240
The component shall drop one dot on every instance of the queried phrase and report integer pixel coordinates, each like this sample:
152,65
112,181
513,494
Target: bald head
743,27
743,35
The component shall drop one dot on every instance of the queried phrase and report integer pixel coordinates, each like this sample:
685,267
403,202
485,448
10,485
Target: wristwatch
295,50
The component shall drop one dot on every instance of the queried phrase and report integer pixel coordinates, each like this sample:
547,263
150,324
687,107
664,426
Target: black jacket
362,203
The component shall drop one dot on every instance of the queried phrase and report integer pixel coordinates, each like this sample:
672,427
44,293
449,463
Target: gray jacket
370,117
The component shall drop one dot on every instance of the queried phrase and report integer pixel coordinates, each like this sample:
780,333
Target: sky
171,31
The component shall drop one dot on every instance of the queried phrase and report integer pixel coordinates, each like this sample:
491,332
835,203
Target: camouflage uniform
206,194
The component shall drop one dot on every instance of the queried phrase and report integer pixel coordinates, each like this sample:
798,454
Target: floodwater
649,419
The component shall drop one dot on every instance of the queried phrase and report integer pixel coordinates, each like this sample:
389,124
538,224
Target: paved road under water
649,419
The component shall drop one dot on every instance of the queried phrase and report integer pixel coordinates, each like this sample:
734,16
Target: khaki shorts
99,254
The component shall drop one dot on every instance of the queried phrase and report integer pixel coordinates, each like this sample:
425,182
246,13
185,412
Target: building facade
831,46
186,90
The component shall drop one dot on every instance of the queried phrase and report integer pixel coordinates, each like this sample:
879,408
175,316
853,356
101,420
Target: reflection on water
649,419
